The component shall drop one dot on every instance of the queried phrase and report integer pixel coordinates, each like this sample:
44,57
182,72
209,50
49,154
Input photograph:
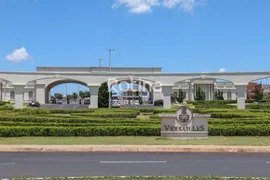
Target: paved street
131,164
80,106
64,106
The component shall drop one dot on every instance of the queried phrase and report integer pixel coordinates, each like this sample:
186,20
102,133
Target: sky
177,35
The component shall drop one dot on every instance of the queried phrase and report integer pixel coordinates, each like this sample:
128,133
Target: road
133,164
64,106
81,106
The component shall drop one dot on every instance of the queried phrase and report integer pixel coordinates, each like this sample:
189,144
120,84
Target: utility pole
100,59
110,69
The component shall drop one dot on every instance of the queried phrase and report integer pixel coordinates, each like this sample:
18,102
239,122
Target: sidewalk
133,148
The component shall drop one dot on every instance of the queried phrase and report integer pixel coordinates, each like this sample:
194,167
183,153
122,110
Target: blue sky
177,35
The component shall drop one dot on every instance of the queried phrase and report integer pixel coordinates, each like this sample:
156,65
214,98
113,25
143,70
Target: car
158,102
59,101
34,104
116,104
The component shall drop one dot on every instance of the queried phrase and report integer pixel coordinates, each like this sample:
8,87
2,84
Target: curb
134,148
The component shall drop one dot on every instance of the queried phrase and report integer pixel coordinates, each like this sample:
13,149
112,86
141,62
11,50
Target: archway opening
67,91
258,90
5,91
205,89
132,92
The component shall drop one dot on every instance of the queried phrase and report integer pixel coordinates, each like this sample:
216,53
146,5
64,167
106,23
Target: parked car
34,104
116,104
158,102
59,101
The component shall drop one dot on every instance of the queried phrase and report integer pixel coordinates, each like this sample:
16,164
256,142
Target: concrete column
40,93
191,92
166,90
18,95
94,96
241,96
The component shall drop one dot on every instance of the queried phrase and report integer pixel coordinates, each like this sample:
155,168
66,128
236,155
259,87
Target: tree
180,96
103,96
140,100
69,97
258,94
82,94
200,95
172,98
74,96
219,95
87,94
59,96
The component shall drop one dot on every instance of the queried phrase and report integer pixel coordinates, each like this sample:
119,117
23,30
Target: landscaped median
134,144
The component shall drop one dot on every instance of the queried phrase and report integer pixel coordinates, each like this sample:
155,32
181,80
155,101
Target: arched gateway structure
24,86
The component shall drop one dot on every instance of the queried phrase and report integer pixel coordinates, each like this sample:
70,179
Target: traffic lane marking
133,162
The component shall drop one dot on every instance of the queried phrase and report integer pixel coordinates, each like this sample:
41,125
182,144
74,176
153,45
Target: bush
247,130
80,131
2,103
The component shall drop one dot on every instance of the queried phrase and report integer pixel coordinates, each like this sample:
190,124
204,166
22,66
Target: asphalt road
81,106
64,106
133,164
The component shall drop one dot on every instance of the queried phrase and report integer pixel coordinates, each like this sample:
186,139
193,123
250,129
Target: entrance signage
184,124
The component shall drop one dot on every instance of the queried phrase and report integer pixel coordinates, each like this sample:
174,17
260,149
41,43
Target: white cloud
137,6
18,55
143,6
222,70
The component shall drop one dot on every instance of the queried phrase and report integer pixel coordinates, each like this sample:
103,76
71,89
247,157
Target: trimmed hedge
251,130
102,123
80,131
45,119
247,130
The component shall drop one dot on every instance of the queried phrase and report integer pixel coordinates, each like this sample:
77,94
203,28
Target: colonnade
166,91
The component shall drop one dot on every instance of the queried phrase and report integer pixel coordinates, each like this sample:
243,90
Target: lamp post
110,70
100,59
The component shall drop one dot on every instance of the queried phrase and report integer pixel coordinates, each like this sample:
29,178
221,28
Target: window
229,96
175,94
12,95
30,95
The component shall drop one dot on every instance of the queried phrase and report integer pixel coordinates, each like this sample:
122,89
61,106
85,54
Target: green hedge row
80,131
212,102
240,121
108,115
106,123
44,119
249,130
244,130
207,106
2,103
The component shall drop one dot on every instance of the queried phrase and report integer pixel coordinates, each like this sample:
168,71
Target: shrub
80,131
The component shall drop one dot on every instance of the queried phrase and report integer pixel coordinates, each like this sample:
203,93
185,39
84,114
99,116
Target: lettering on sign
184,128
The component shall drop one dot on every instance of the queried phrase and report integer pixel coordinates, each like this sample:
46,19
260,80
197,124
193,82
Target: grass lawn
129,140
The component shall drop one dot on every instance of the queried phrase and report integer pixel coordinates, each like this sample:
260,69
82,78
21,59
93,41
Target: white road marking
76,106
6,164
267,162
132,162
62,106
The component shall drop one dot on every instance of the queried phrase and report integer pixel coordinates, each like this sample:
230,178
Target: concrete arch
143,82
57,82
259,78
202,77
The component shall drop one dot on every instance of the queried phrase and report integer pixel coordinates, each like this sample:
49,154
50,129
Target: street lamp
110,52
100,59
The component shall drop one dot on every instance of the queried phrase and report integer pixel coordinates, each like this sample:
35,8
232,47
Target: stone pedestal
196,128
